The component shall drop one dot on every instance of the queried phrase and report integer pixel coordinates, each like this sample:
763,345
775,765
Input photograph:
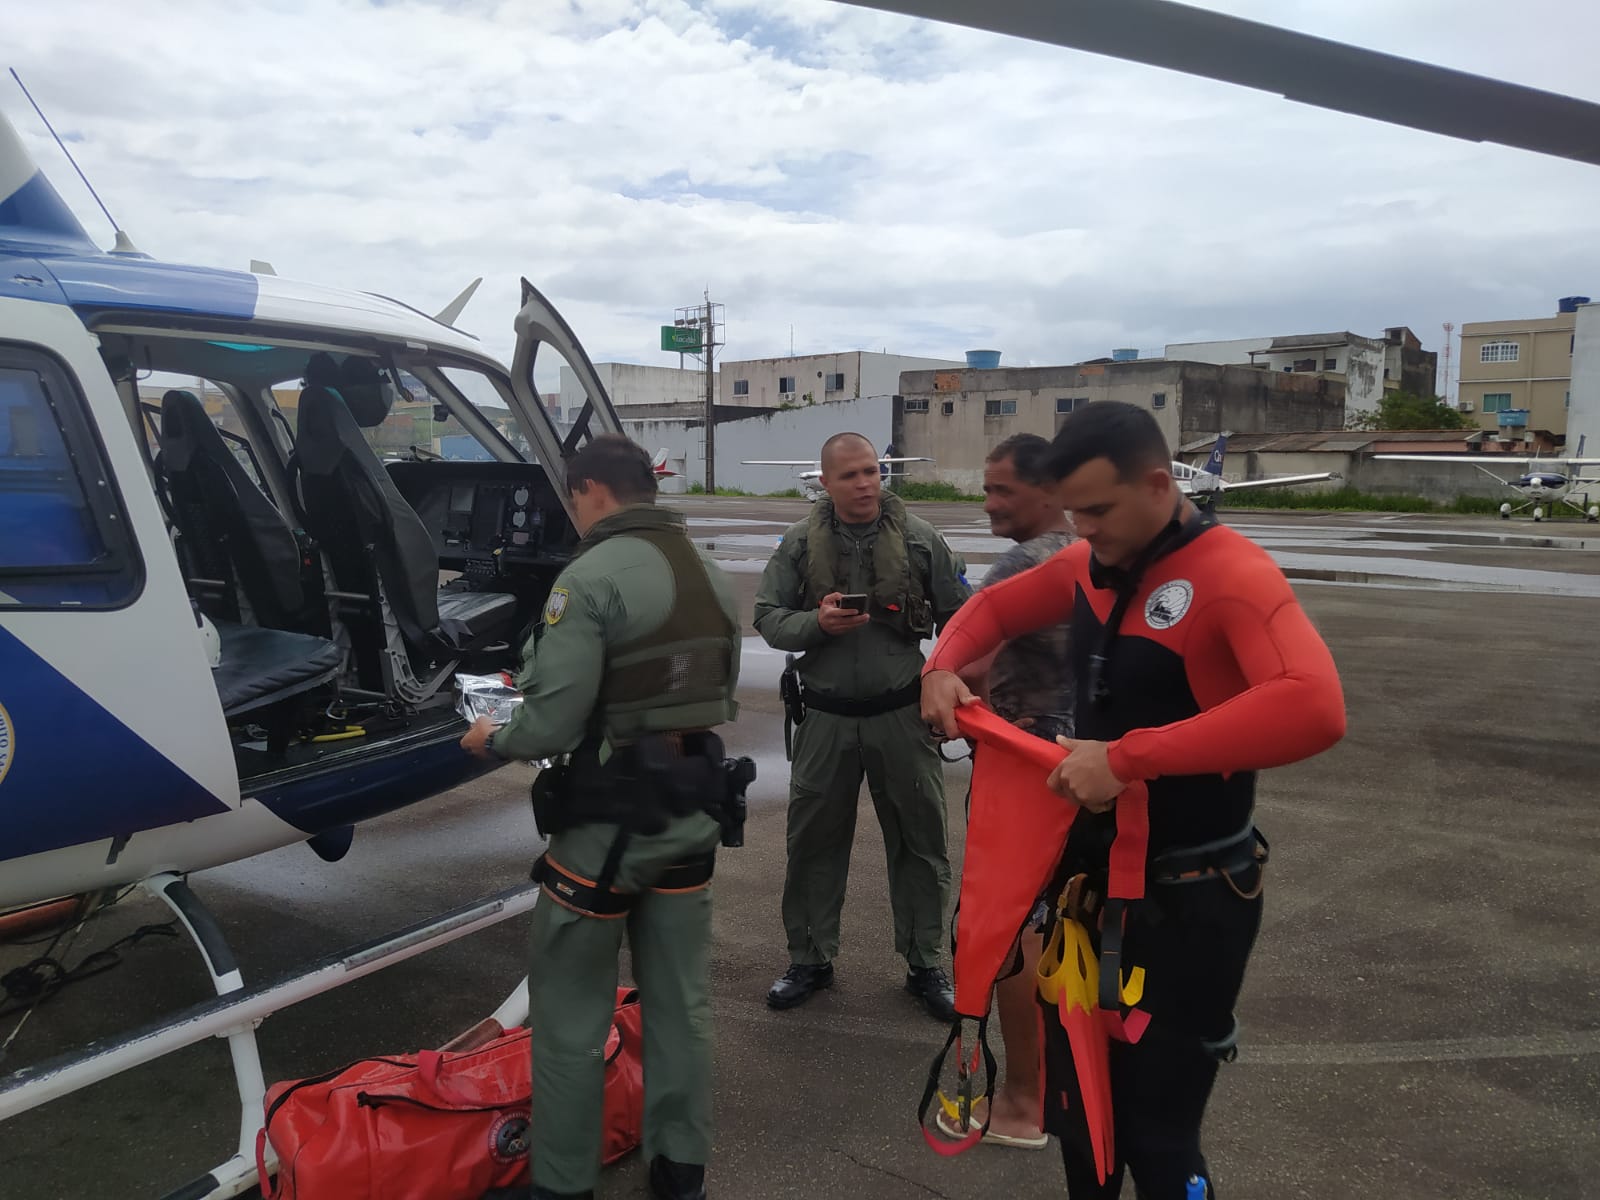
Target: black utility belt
870,706
645,785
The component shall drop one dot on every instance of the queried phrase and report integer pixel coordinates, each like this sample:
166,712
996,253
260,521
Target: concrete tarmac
1421,1017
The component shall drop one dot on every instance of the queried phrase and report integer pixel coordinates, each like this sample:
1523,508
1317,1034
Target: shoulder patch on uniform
556,606
1168,603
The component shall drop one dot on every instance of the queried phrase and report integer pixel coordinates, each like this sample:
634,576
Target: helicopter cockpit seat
234,543
373,538
232,539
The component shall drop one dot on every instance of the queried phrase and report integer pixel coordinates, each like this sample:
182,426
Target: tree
1407,410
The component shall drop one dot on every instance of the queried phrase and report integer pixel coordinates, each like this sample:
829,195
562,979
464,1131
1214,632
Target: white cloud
871,180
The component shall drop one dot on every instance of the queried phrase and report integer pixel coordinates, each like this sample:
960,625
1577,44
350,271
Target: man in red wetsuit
1195,667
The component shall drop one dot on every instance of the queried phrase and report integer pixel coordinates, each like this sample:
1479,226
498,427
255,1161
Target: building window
948,407
1305,364
916,405
1492,352
835,383
999,408
741,387
1158,399
65,542
785,385
1567,403
1069,404
1330,364
1496,402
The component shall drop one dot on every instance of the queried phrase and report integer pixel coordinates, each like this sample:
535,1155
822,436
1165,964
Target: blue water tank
1569,304
1124,355
983,360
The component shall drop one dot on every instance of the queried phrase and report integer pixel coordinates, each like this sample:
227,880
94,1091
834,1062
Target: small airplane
658,464
1546,483
1206,482
811,478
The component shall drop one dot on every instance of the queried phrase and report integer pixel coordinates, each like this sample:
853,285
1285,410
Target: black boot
797,984
676,1181
932,986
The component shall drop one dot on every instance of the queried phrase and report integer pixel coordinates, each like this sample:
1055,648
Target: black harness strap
591,898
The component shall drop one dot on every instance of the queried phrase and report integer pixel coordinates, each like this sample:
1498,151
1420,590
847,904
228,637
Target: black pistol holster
793,695
552,789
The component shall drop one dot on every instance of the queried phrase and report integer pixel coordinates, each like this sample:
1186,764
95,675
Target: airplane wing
1300,67
777,462
895,460
1276,481
1553,461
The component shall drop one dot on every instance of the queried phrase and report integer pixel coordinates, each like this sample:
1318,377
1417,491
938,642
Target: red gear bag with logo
437,1125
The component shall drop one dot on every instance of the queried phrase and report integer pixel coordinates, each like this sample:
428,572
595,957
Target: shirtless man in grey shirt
1027,682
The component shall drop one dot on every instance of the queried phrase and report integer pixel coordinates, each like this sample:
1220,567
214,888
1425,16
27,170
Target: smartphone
855,602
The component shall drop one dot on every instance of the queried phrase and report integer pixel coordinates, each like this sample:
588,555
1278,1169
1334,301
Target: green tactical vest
678,676
897,596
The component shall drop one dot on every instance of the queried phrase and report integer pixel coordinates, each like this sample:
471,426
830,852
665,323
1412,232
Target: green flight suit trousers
906,777
572,984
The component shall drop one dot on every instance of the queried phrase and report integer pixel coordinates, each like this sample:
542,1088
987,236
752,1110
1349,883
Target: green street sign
683,339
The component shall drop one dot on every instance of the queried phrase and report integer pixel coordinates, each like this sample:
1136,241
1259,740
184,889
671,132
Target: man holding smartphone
857,587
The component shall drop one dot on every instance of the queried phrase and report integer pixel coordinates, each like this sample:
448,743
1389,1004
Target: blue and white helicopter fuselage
123,752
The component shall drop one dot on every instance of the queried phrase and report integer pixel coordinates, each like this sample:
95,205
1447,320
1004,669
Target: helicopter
241,597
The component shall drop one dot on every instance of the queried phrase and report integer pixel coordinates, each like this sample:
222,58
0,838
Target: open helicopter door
538,322
110,723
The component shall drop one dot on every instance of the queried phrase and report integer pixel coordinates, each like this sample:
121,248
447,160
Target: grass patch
1345,499
1348,499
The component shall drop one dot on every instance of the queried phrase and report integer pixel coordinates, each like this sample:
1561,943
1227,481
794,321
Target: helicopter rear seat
263,667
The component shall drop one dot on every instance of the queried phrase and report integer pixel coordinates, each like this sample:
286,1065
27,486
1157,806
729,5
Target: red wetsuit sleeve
1265,681
1037,598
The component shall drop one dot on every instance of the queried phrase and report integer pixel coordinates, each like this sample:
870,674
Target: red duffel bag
435,1125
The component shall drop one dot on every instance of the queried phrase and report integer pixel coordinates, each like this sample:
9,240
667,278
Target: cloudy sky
866,180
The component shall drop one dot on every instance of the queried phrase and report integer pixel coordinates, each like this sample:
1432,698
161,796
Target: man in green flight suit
861,548
636,658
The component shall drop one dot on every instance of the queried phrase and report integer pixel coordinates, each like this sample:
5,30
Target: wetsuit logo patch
1168,603
7,742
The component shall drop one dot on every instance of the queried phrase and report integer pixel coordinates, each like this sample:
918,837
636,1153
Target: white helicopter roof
46,255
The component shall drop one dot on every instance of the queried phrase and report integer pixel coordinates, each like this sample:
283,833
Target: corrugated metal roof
1343,441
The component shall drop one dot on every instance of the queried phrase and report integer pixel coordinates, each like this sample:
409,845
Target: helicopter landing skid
238,1010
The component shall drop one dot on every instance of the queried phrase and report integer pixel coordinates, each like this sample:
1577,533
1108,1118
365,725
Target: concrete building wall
1367,366
1583,418
631,384
1249,400
1360,362
1440,482
1411,370
1538,379
815,378
791,433
957,417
